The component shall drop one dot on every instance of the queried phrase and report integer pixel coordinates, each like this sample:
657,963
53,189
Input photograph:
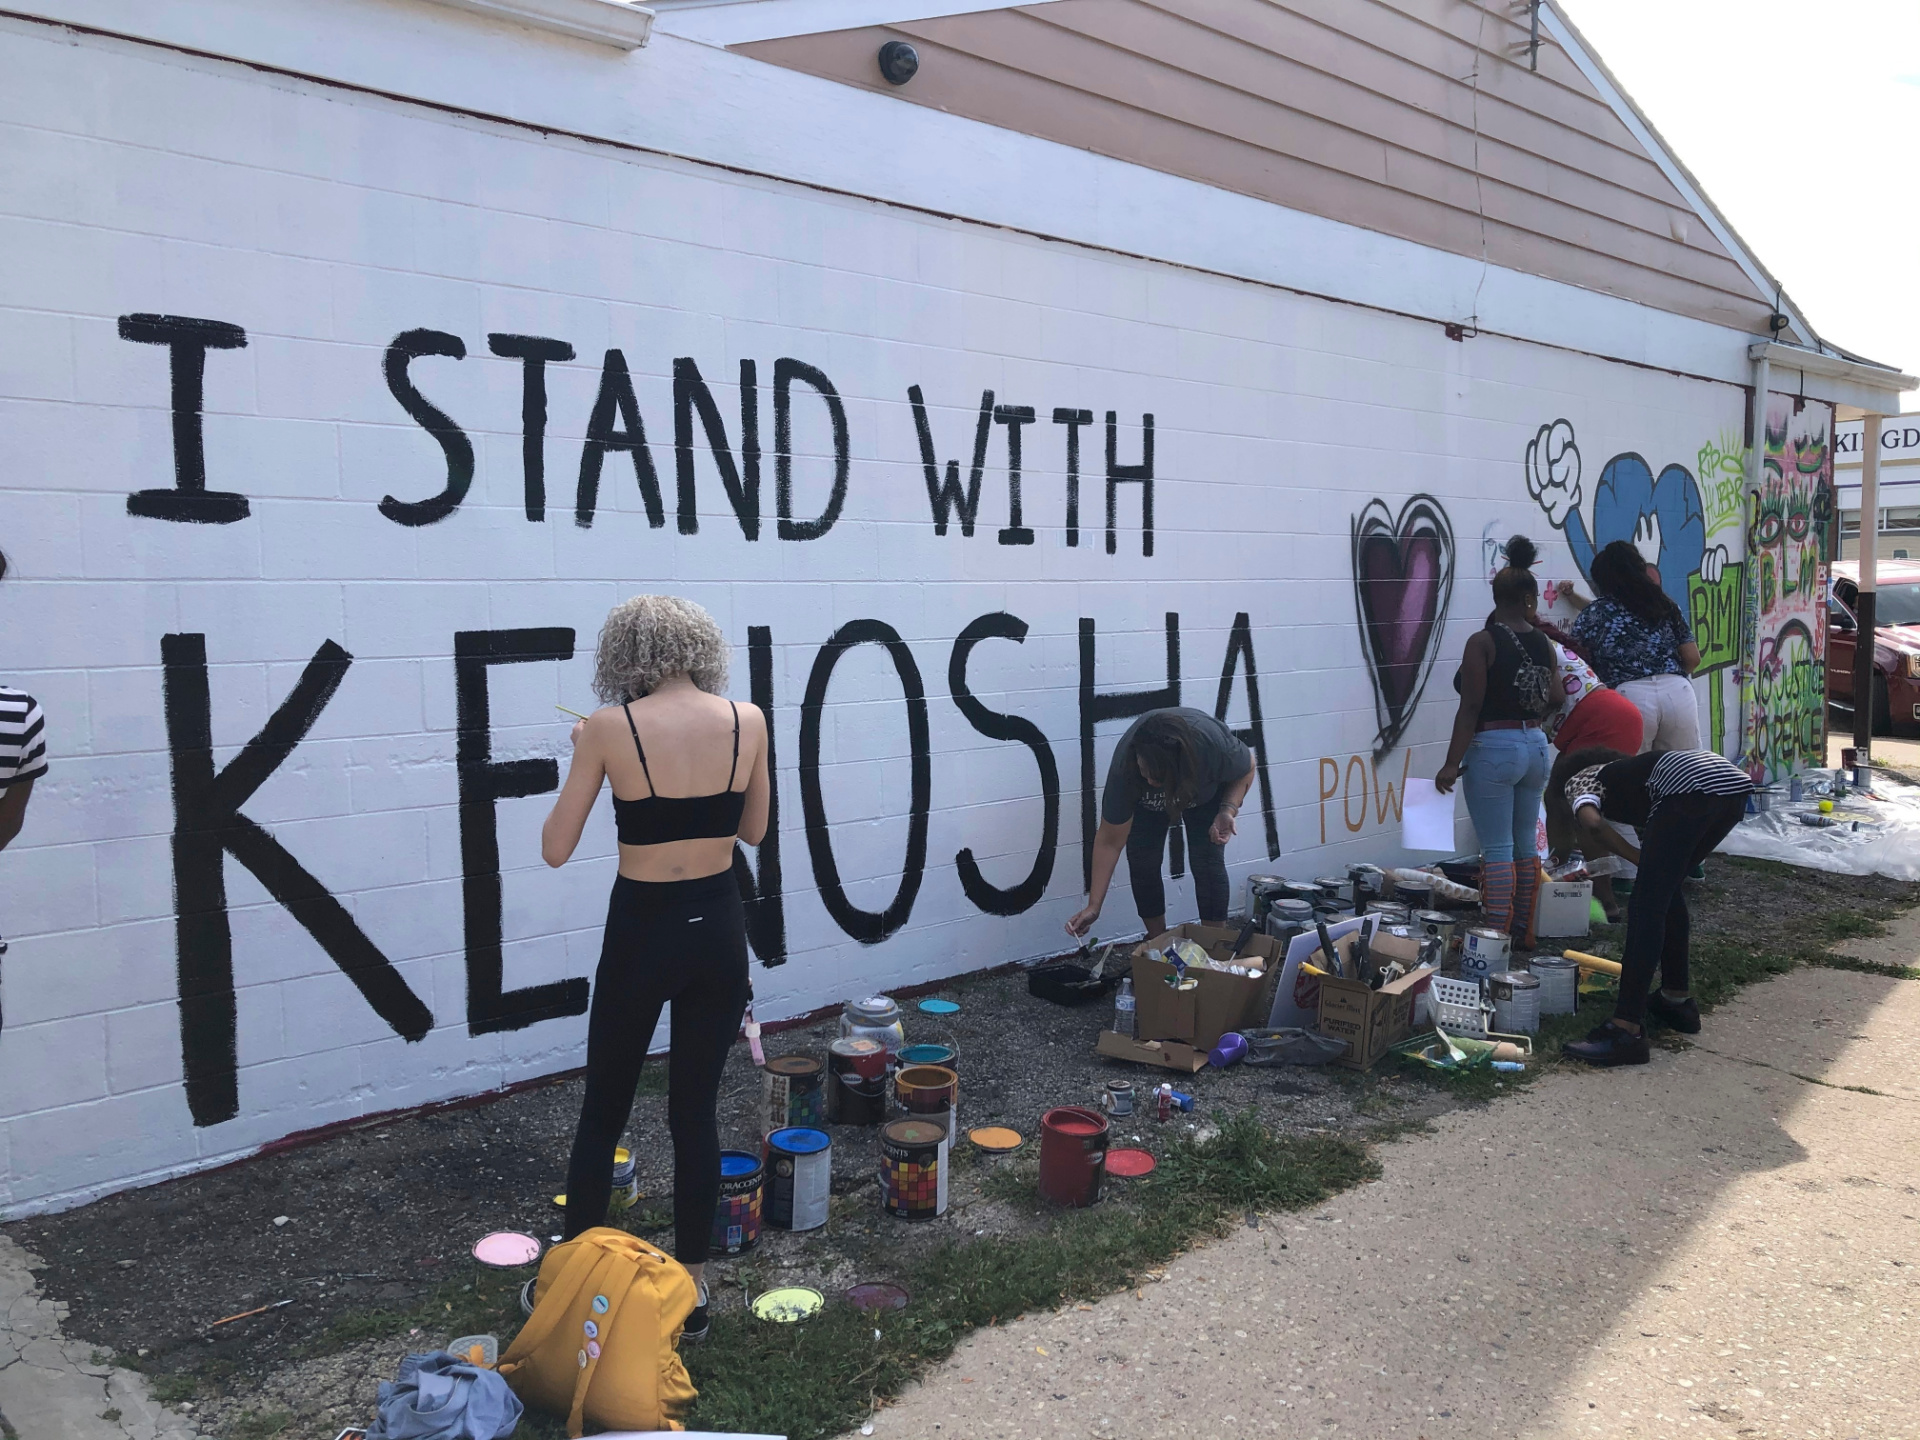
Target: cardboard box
1370,1021
1167,1054
1219,1003
1564,909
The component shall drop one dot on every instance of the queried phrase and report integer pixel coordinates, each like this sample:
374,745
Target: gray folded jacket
442,1397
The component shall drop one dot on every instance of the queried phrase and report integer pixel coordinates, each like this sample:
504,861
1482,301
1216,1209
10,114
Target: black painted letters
207,826
1141,475
187,341
991,898
946,498
408,346
483,782
1121,705
785,372
615,400
534,351
866,926
742,482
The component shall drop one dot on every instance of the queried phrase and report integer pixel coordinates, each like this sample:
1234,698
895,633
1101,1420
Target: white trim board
740,22
688,99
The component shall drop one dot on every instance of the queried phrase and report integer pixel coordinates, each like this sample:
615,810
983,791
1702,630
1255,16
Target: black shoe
698,1322
1681,1015
1608,1046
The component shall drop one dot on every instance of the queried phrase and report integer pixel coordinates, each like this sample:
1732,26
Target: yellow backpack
601,1343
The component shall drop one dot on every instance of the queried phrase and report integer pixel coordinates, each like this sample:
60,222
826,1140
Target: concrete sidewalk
54,1389
1720,1243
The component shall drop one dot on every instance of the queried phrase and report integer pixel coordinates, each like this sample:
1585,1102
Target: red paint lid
1129,1163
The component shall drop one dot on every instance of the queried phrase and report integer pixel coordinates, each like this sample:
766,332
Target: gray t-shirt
1221,755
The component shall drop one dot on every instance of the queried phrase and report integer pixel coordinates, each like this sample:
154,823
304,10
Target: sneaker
526,1296
698,1322
1697,871
1681,1015
1608,1045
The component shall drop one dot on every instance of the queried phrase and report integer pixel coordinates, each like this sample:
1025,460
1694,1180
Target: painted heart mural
1402,582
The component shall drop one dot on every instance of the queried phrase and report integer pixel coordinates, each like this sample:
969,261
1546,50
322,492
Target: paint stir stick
1592,962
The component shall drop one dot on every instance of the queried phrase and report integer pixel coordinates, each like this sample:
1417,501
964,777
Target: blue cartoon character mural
1661,515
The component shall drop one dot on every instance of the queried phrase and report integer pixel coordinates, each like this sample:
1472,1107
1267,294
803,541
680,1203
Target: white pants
1669,711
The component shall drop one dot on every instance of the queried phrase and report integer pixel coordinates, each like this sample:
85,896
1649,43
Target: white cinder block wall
328,225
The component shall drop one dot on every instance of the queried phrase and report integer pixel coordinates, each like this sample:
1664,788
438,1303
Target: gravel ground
382,1218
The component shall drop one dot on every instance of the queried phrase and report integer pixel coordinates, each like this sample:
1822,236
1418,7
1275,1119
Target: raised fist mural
1661,516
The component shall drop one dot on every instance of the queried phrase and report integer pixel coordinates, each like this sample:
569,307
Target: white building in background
359,354
1899,486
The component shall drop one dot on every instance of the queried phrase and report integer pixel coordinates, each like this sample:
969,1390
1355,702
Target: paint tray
1065,983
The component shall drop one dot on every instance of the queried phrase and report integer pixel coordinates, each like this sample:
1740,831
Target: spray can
1163,1102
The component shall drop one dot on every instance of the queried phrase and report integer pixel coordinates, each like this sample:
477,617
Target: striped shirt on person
23,740
1631,790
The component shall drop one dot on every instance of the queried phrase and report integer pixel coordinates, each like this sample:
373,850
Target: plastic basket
1459,1007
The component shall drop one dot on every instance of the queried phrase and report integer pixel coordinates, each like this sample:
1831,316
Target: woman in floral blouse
1640,644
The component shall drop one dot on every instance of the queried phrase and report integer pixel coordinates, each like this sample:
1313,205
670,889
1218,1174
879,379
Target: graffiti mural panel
1783,687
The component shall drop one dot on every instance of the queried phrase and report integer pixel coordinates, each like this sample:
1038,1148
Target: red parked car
1896,649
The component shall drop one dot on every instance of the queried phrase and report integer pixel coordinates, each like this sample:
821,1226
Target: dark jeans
683,942
1681,833
1147,845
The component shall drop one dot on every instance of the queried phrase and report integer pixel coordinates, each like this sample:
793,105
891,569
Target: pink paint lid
507,1249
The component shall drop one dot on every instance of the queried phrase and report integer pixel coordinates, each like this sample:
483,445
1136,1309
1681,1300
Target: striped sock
1526,890
1496,893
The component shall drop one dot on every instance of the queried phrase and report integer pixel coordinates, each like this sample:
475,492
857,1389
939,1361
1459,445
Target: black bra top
658,819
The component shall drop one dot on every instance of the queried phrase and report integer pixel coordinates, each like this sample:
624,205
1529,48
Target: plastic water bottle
1123,1010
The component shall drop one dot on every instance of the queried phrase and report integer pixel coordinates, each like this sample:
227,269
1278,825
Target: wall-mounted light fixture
1777,322
899,62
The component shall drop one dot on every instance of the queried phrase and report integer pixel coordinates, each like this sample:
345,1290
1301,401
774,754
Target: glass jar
875,1018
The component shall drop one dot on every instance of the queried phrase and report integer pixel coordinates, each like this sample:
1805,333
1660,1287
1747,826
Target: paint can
1516,1002
1073,1155
796,1093
931,1054
1305,890
875,1018
856,1082
736,1219
928,1092
1416,895
1287,918
1262,890
799,1171
1331,887
1117,1098
1559,984
1332,911
1483,954
626,1182
1440,924
913,1169
1391,912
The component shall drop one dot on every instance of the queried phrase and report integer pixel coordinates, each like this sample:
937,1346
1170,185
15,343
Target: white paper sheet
1426,817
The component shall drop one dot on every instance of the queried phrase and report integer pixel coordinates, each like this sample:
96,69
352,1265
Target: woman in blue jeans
1508,683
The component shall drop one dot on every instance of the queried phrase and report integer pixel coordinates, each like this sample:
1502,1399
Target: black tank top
1511,651
656,819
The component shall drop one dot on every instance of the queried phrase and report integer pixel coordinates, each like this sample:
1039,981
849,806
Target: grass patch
818,1378
260,1425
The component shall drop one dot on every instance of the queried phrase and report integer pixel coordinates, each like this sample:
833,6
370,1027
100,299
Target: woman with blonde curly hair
688,771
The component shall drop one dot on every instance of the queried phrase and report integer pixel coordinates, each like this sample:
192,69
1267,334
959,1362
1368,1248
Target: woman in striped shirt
1683,803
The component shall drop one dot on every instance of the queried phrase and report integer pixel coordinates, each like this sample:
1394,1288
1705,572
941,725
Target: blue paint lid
800,1141
738,1162
939,1007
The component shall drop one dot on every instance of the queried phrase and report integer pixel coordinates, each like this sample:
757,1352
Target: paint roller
1597,963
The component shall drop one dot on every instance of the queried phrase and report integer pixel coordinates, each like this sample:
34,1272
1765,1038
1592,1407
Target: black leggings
1681,833
683,941
1147,845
